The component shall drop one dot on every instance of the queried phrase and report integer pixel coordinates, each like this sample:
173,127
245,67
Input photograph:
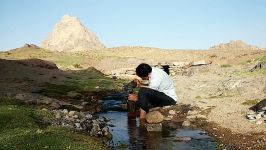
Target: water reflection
129,134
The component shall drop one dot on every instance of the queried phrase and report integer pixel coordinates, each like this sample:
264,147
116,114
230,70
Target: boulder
199,63
181,64
154,117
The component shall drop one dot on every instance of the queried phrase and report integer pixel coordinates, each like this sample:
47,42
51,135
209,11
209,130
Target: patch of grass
260,72
263,58
250,102
22,127
221,96
226,65
198,97
89,80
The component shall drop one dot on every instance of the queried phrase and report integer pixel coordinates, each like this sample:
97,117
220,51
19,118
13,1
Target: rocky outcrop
69,35
238,44
260,65
30,46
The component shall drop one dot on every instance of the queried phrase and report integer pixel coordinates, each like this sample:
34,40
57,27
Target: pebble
172,112
71,113
186,123
258,116
77,125
88,116
57,115
184,139
83,122
65,111
44,109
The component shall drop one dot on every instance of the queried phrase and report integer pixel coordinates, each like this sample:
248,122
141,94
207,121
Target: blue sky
173,24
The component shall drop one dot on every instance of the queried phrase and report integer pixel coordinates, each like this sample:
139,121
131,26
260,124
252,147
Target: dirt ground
216,89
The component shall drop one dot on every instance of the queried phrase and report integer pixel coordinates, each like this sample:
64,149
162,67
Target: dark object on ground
260,65
166,68
260,106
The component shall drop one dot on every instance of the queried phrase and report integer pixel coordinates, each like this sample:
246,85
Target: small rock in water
172,112
77,125
58,115
183,139
76,116
65,111
154,127
154,117
71,113
44,109
88,116
186,123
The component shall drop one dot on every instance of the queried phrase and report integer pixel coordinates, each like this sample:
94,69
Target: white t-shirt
159,80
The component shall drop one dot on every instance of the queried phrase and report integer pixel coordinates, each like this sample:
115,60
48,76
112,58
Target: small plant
77,66
198,97
226,65
250,102
213,56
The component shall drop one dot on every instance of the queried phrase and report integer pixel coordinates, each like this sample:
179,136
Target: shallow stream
128,134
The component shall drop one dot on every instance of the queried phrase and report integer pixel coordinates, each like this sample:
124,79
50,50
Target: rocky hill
69,35
238,44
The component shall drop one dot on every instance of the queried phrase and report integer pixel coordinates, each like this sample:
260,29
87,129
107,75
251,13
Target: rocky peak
237,44
69,35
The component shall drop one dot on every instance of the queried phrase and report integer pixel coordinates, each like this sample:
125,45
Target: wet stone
183,139
71,113
186,123
154,127
172,112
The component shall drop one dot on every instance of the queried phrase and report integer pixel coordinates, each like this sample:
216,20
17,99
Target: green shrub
226,65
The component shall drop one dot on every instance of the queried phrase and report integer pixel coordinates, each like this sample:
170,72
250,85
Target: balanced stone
154,127
154,117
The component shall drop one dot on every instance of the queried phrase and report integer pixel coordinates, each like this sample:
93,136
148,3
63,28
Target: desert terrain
220,83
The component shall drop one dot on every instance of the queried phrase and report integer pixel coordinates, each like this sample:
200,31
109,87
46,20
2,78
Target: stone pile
257,113
83,122
154,121
256,117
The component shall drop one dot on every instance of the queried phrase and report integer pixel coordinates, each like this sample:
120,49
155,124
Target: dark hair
143,70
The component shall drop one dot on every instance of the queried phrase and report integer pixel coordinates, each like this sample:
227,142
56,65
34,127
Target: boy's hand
133,97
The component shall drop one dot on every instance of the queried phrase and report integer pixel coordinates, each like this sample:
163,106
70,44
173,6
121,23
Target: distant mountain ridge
69,35
237,44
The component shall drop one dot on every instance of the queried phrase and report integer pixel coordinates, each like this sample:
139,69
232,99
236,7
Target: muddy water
128,134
